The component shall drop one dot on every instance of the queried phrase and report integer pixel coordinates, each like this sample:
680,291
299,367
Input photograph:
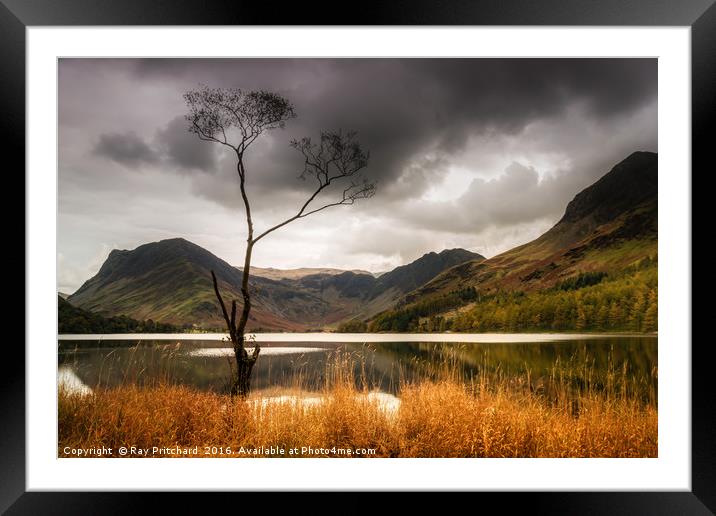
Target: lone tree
235,119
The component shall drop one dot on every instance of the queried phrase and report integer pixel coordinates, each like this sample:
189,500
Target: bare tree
235,119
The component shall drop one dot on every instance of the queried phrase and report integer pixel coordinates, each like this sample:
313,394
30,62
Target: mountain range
607,227
170,281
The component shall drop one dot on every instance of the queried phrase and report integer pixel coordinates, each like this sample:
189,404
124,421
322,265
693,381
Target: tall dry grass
446,416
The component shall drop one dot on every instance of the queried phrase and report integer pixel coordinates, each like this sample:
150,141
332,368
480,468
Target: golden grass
445,417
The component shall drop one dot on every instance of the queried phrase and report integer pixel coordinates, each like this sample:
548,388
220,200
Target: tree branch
223,306
349,197
207,138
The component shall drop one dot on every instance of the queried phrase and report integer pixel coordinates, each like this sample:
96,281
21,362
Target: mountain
170,281
411,276
606,228
292,274
361,295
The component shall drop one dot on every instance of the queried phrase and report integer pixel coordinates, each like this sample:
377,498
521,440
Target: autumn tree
651,317
636,314
235,119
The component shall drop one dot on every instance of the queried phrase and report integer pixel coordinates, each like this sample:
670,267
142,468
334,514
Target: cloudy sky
482,154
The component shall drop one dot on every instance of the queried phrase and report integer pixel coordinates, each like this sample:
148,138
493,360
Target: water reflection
380,366
267,351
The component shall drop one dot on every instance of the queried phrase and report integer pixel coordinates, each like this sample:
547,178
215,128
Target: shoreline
497,338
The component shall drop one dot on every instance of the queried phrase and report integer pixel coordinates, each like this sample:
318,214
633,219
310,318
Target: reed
492,414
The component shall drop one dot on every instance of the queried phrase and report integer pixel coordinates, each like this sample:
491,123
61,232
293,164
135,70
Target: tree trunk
241,381
241,384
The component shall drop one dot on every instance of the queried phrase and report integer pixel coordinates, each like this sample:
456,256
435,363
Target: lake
379,362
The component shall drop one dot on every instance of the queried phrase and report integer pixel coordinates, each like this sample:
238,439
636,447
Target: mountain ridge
597,232
169,281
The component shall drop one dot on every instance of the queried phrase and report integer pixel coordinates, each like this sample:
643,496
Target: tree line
71,319
627,301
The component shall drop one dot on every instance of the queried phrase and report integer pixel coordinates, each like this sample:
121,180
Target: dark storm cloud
183,149
173,145
404,109
125,148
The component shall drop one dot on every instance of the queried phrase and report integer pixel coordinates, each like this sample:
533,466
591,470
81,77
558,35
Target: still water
310,365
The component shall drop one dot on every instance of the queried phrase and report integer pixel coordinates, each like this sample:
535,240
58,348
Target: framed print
449,250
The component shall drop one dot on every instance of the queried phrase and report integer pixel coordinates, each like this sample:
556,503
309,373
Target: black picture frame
700,15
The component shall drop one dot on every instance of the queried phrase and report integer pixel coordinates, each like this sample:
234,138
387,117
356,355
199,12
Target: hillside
608,227
409,277
71,319
361,295
170,281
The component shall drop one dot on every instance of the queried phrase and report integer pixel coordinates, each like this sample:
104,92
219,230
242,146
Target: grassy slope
543,262
175,291
530,298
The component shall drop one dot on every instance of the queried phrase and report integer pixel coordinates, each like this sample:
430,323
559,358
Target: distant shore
358,337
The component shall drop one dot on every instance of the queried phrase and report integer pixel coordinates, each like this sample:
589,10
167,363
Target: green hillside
626,301
170,281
